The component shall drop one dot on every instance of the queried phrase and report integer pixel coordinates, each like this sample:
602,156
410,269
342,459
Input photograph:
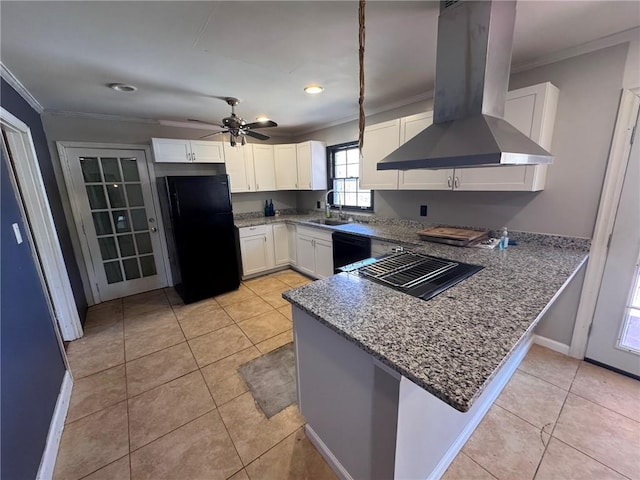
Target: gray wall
254,202
557,324
590,87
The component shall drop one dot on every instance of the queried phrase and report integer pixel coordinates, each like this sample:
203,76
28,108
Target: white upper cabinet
312,165
169,150
286,166
532,110
379,141
264,167
422,179
239,164
207,152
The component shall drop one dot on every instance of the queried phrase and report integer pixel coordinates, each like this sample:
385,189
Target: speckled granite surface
402,231
453,344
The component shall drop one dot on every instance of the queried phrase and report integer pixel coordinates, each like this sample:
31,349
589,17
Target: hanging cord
361,35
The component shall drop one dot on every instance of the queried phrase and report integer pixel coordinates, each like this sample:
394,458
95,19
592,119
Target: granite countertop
393,230
453,344
398,230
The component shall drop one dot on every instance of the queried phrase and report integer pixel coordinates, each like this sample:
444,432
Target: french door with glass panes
114,202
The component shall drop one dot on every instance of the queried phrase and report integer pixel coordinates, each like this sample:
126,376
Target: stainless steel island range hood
472,77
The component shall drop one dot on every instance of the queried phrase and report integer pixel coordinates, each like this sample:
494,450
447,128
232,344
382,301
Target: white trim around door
45,236
611,191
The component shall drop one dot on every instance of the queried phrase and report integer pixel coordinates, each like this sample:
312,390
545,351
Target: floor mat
271,379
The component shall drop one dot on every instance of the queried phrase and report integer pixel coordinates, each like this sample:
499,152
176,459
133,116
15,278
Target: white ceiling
183,54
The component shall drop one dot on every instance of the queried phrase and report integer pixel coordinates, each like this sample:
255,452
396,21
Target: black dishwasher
349,249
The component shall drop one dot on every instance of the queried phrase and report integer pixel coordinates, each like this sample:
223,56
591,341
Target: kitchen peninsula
391,385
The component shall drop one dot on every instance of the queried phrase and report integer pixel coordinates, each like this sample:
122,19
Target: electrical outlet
318,204
423,210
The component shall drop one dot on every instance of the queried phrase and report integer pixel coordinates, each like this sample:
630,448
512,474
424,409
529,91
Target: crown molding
101,116
598,44
193,125
372,111
17,85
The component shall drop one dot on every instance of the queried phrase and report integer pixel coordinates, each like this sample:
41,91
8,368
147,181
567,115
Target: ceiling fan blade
267,124
205,123
212,134
257,135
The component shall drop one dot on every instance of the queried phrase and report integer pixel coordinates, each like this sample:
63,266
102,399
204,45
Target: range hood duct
472,77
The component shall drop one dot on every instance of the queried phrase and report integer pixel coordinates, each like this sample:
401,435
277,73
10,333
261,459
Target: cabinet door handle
456,182
257,187
193,157
248,187
296,185
265,239
449,182
309,185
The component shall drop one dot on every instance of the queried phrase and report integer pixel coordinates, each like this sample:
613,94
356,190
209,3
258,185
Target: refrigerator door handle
177,203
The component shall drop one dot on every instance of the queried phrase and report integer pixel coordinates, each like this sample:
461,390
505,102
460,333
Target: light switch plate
16,232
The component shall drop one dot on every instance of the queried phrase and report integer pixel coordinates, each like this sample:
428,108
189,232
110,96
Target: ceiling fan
236,126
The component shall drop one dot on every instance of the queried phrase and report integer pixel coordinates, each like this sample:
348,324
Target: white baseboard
551,344
48,462
333,462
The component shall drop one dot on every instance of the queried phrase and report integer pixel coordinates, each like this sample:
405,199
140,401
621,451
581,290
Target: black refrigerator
201,237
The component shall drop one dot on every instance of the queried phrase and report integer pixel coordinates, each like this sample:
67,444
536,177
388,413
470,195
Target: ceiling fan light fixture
262,118
314,89
122,87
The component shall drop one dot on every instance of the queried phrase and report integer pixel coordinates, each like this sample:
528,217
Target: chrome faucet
328,207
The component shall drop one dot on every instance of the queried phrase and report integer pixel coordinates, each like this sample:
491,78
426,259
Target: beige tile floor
557,418
157,396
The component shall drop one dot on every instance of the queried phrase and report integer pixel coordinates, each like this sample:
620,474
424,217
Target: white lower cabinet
267,247
291,236
281,244
305,254
256,249
314,252
324,258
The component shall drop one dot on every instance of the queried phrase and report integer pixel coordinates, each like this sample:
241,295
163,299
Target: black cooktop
421,276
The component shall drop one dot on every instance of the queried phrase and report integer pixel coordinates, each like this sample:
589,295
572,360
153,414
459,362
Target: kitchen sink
329,221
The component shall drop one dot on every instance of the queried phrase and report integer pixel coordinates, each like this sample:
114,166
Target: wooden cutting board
452,236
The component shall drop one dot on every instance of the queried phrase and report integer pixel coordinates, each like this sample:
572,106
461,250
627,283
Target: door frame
65,164
609,200
43,229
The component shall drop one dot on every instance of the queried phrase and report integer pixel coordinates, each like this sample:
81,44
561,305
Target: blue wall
17,106
31,363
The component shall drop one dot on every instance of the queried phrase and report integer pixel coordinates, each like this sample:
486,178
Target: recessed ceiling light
122,87
313,89
262,118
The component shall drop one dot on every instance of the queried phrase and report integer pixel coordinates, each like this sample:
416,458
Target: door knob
154,229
